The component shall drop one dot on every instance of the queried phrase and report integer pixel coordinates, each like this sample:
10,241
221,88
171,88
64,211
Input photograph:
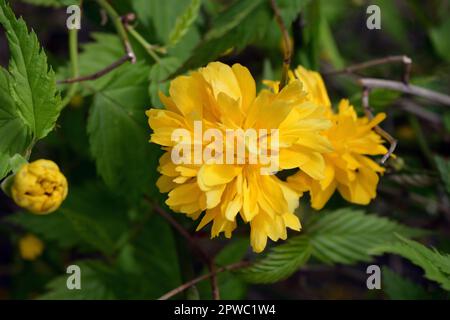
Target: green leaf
280,262
240,24
290,9
88,208
160,15
400,288
101,52
32,84
435,264
439,38
119,134
443,166
158,74
93,284
184,22
347,236
152,252
232,287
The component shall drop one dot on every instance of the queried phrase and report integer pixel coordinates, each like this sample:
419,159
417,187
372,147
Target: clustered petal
39,187
224,98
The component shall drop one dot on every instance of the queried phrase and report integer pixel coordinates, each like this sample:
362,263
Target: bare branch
378,129
434,96
189,284
100,73
407,62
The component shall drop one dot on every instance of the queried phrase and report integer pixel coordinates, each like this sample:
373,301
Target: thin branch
378,129
193,244
189,284
287,48
434,96
407,62
100,73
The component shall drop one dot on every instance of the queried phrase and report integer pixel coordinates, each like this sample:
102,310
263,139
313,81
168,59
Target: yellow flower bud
39,187
30,247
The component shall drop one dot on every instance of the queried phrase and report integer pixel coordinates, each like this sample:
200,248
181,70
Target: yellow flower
222,97
348,168
39,187
30,247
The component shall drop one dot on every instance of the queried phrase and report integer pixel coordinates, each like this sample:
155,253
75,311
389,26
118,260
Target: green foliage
344,236
184,22
158,77
290,9
435,264
347,236
29,102
439,37
243,22
399,288
281,262
444,170
118,133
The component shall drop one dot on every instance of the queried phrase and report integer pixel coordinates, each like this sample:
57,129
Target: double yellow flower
329,149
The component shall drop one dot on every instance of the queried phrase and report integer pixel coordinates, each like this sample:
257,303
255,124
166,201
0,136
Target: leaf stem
287,48
73,52
118,23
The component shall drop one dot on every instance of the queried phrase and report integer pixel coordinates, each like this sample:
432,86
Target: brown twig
211,274
404,88
407,62
287,49
378,129
100,73
193,244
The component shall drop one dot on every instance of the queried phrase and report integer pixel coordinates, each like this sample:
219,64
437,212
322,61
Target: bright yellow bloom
348,168
30,247
224,97
39,187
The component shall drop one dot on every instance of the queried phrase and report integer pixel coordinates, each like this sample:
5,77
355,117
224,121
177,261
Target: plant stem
423,143
147,46
117,20
287,48
73,51
189,284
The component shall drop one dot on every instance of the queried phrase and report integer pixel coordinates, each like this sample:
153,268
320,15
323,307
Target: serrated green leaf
399,288
32,84
184,22
118,133
280,262
435,264
444,170
347,236
243,22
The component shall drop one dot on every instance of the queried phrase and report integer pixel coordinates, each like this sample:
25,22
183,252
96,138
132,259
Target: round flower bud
30,247
39,187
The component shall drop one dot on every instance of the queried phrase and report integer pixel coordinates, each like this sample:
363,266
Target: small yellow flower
223,97
348,168
30,247
39,187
